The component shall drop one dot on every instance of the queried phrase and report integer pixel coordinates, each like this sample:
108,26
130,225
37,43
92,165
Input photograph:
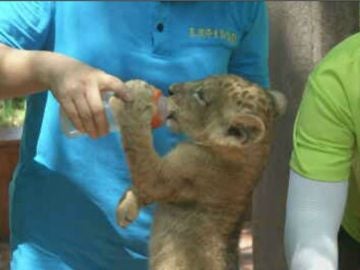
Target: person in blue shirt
65,55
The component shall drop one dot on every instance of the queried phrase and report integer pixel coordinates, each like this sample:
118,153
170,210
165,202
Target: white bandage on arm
314,212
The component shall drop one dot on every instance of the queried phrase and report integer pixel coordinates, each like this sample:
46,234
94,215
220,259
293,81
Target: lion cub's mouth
170,116
172,121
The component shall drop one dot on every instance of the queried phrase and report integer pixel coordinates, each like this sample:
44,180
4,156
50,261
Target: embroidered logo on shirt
230,36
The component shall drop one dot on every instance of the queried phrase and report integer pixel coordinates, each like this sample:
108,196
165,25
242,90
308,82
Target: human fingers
94,100
69,109
85,115
115,85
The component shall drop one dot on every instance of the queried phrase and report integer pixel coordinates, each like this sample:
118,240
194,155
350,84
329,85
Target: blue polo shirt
65,191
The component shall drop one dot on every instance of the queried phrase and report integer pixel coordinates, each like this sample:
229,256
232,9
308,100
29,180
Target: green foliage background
12,112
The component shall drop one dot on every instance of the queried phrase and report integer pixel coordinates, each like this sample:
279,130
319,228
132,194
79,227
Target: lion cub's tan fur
204,185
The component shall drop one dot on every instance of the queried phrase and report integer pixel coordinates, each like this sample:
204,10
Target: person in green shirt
324,185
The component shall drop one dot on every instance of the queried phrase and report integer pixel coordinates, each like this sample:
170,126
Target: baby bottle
159,116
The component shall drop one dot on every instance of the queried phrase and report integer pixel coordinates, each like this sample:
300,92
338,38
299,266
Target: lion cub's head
224,110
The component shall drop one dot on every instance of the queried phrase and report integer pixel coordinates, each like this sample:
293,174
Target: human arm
76,85
25,68
324,142
314,212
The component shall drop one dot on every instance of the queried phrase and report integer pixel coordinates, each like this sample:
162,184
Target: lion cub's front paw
128,209
139,110
141,107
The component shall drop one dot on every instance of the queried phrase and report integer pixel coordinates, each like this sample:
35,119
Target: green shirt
327,127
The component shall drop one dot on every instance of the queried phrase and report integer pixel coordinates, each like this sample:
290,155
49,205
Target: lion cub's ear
245,129
279,102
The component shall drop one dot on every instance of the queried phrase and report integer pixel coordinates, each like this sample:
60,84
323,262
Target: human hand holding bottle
79,89
159,116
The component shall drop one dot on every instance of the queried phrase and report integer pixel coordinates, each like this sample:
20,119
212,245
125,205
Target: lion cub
204,185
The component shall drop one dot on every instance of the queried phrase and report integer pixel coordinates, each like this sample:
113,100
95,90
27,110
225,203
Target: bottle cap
161,109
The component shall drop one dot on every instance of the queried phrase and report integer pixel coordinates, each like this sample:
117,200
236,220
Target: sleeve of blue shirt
25,25
250,59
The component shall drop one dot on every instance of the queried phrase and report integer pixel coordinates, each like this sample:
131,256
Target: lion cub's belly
188,237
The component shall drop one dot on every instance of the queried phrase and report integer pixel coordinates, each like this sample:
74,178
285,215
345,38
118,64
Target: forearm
313,217
24,72
152,176
142,158
76,85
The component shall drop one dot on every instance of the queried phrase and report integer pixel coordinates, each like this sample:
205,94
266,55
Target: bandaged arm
314,212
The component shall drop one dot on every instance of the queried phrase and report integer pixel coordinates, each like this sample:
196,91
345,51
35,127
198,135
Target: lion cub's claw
128,209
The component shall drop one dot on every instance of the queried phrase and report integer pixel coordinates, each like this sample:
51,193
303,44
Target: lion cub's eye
199,97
